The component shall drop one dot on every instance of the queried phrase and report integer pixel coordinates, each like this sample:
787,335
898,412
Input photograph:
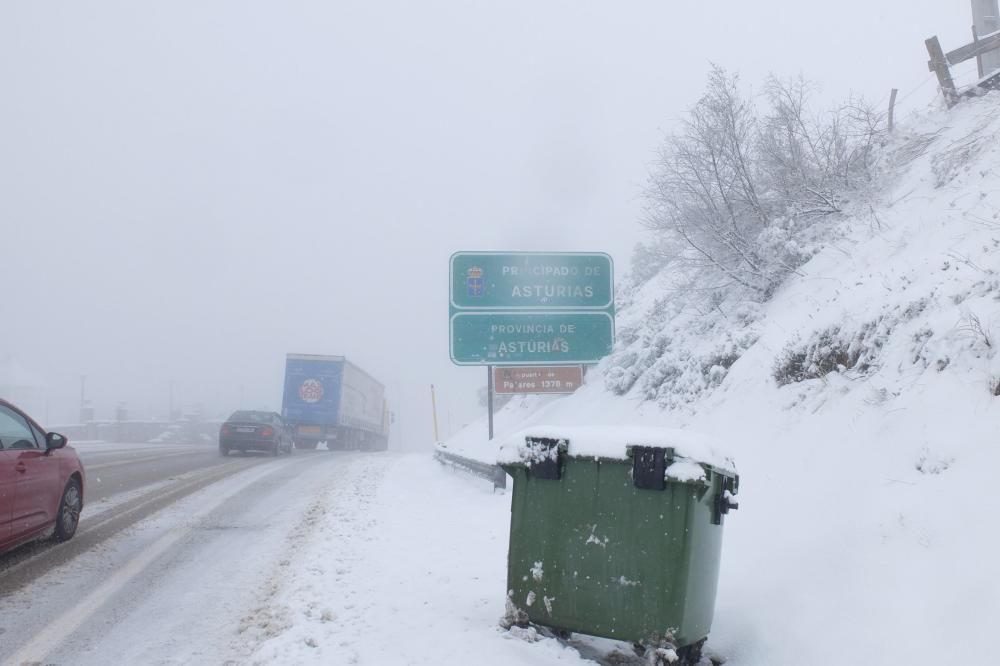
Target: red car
41,481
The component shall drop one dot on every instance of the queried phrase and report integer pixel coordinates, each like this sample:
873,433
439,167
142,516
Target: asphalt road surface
169,535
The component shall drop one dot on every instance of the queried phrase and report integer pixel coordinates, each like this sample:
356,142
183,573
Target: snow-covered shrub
920,340
979,333
932,463
683,349
834,349
827,351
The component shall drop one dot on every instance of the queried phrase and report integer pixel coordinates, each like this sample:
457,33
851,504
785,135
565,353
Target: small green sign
526,338
541,281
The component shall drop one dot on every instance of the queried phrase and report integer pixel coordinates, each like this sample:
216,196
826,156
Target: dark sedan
41,481
255,431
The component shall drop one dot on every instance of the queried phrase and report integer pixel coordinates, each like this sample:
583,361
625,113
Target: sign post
489,396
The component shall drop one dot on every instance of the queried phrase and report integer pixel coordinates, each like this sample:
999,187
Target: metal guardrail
140,431
478,468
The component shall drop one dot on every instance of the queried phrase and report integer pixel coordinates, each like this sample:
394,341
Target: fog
191,190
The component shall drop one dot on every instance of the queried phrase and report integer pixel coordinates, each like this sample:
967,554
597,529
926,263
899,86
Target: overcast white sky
189,190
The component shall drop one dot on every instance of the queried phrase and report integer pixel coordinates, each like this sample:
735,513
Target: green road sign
531,308
539,281
530,338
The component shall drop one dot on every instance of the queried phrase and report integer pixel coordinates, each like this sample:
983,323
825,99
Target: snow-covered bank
406,564
860,406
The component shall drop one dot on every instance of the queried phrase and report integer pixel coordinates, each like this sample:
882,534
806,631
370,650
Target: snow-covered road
175,587
125,484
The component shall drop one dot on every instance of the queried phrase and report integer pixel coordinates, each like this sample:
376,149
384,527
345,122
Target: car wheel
68,517
223,451
276,449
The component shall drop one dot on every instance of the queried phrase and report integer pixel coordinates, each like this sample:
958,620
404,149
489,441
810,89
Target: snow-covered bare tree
736,189
813,161
704,187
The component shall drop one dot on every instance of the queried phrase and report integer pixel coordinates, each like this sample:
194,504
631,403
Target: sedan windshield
255,417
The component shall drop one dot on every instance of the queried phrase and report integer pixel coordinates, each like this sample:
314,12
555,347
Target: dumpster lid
612,442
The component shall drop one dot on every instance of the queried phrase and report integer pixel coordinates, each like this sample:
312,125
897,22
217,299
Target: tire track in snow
339,518
25,566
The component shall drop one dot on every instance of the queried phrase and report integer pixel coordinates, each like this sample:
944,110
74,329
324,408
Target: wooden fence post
979,58
939,65
986,21
892,109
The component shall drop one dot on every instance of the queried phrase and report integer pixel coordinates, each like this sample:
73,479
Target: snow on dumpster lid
611,442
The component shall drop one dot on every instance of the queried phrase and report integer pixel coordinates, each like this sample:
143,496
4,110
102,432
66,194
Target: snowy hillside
859,404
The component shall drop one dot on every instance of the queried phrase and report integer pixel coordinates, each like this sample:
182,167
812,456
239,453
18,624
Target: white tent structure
19,386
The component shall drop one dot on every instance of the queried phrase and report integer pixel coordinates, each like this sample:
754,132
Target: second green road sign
531,308
514,338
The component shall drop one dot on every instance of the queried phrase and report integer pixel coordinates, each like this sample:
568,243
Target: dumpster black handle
723,505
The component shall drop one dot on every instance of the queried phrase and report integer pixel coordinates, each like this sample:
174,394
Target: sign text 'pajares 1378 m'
512,380
531,308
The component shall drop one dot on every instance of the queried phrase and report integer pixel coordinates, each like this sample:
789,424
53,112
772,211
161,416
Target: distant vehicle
41,481
329,399
255,431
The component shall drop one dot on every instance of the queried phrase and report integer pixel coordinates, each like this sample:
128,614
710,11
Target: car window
39,435
14,431
253,417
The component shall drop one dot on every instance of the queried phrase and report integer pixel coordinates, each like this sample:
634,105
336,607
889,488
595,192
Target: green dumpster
617,533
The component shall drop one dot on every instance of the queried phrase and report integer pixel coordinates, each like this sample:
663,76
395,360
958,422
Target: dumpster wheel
667,654
561,635
664,653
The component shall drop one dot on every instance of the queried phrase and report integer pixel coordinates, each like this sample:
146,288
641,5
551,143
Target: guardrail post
500,480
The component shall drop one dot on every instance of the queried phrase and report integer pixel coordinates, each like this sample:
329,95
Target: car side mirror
54,440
